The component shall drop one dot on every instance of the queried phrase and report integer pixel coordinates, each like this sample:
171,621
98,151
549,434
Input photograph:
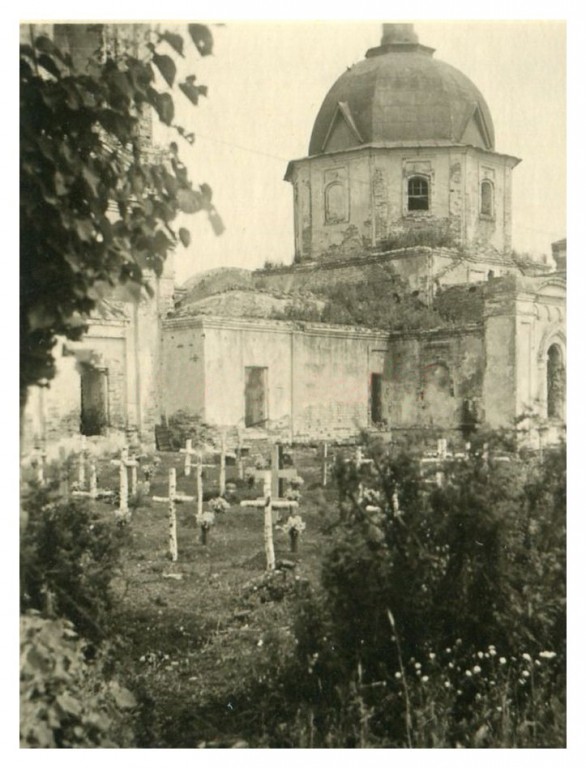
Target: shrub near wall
449,609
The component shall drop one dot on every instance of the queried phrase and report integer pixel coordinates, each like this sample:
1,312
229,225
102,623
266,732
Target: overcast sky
267,81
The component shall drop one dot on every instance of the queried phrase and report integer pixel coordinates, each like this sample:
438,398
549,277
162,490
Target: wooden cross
223,464
268,504
324,464
189,452
81,463
239,461
124,463
40,457
93,489
279,474
172,499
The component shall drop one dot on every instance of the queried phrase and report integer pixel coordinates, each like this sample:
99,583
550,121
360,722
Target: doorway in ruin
94,400
255,396
376,398
556,383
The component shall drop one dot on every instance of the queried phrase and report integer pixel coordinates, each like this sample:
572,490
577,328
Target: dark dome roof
400,93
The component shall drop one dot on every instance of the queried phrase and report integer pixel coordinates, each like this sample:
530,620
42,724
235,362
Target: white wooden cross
172,499
324,464
92,493
277,472
39,462
124,463
81,462
223,464
239,461
268,504
189,452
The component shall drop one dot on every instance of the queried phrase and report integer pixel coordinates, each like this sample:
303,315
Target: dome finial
401,34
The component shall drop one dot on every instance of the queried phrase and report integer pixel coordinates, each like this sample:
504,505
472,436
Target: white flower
424,679
526,657
432,656
477,670
468,673
547,654
417,665
480,655
502,660
447,684
525,673
398,675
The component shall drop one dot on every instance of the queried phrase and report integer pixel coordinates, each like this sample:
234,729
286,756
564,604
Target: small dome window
487,199
418,194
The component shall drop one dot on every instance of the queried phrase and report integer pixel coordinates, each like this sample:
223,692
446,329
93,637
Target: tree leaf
165,108
216,221
49,64
189,201
185,237
174,40
166,67
202,38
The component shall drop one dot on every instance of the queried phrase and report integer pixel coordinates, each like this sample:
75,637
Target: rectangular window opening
255,396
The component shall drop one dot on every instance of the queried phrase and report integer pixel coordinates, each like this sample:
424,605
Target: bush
67,701
413,570
68,557
184,425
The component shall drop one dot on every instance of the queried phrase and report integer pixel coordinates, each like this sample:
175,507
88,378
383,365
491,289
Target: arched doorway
556,383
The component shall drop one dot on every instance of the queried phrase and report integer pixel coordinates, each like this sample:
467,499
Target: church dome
400,94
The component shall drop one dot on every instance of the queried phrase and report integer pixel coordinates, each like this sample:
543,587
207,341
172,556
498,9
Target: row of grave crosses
274,481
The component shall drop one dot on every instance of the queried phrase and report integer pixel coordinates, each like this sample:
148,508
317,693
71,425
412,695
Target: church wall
488,232
317,378
429,376
228,351
183,372
348,202
55,413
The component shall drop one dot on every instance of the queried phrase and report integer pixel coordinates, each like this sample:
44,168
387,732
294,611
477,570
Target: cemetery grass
201,634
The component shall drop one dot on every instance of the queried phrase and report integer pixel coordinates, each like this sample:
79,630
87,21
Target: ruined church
402,187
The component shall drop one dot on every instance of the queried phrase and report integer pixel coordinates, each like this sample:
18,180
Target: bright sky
267,81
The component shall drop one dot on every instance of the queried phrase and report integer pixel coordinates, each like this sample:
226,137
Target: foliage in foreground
68,558
97,206
66,700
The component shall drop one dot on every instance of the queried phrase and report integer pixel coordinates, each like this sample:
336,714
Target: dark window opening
556,383
418,194
376,399
255,396
94,401
486,199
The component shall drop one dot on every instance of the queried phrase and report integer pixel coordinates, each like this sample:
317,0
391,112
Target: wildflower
398,675
448,650
424,679
451,664
459,641
547,654
260,643
447,684
417,665
477,670
537,663
525,673
526,657
499,709
502,660
480,655
492,650
468,673
432,656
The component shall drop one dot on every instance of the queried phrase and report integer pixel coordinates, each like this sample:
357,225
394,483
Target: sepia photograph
293,362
